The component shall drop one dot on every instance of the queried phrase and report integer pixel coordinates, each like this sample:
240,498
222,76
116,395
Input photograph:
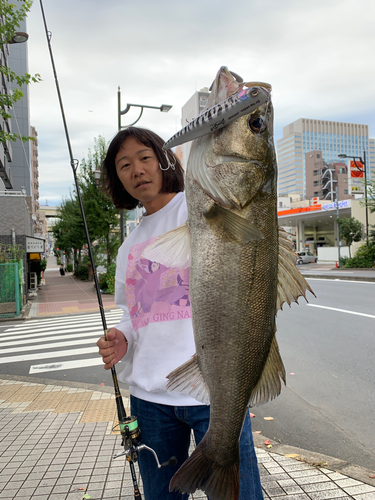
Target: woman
156,339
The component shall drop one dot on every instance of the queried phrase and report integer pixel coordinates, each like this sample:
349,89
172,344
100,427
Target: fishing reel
131,439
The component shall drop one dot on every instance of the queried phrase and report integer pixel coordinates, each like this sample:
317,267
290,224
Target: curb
318,460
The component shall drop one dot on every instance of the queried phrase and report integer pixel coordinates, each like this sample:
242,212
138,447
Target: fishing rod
128,426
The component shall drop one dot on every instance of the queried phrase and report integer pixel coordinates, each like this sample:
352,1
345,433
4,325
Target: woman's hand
113,348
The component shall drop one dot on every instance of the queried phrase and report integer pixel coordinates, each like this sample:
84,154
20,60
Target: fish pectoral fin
172,249
235,227
187,379
291,283
269,384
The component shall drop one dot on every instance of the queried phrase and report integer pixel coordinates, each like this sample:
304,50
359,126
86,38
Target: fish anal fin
172,249
291,283
201,472
235,227
187,379
269,384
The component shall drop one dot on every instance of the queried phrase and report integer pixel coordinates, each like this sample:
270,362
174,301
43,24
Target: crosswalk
61,343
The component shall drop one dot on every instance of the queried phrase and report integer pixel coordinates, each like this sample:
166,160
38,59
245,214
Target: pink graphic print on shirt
154,292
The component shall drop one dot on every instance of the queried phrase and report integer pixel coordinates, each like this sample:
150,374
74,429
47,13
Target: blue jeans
167,429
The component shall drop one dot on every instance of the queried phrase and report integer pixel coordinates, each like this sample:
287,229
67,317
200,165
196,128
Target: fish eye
257,123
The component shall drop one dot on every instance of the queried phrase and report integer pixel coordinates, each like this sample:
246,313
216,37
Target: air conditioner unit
33,281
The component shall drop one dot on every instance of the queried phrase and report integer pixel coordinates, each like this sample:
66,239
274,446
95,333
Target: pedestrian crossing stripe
30,341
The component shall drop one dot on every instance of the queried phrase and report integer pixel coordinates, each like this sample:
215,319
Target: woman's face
138,169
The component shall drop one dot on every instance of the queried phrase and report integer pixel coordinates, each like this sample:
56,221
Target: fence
11,287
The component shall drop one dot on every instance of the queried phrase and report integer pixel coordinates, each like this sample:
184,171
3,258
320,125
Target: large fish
242,271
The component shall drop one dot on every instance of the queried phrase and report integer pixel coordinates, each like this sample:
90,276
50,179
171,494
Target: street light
164,108
18,37
363,162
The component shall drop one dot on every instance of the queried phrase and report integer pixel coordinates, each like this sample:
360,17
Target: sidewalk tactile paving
25,394
73,402
46,401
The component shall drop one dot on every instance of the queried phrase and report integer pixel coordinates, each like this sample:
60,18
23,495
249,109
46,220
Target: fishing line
128,426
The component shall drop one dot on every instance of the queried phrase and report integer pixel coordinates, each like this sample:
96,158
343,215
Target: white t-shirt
157,314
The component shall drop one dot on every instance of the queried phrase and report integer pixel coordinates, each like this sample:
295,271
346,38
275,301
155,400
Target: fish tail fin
200,472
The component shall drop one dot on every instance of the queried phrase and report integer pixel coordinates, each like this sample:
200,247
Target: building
190,110
5,124
322,179
34,172
20,165
330,138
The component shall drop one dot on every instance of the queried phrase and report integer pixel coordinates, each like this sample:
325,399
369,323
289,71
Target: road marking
339,279
51,346
65,365
95,335
343,311
46,324
43,355
17,337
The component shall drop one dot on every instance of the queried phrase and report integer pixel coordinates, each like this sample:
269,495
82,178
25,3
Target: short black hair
173,179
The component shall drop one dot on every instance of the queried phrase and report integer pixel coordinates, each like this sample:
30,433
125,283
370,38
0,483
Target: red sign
356,172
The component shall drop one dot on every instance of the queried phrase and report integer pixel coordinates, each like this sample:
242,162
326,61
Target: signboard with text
34,245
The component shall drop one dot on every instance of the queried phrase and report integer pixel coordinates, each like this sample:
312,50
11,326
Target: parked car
305,257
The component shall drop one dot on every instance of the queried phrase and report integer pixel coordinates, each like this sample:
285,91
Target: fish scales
235,249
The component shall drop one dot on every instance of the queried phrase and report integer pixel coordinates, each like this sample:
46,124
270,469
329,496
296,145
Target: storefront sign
34,245
342,204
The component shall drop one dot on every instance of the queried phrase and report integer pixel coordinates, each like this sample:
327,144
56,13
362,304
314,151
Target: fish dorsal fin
197,168
291,283
235,227
269,384
187,379
172,249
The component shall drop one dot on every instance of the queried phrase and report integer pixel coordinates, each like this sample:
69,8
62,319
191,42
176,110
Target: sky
317,55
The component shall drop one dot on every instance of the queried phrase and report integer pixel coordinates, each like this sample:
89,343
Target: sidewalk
65,295
57,443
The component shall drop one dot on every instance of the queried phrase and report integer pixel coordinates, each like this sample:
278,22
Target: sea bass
242,269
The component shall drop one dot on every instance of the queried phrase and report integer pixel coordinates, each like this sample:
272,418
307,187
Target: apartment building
330,138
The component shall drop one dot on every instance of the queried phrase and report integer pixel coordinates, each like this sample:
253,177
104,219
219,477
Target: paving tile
357,490
326,495
365,496
305,473
347,482
329,485
311,479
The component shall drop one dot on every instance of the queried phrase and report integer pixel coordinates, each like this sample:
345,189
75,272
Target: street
328,348
328,405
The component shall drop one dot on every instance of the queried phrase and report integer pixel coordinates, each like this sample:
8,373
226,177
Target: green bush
364,258
111,272
343,261
70,267
103,282
82,271
107,280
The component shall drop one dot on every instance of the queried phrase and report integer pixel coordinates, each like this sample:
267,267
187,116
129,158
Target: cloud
317,56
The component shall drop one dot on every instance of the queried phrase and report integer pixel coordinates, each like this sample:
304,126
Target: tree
10,18
350,230
68,231
101,215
